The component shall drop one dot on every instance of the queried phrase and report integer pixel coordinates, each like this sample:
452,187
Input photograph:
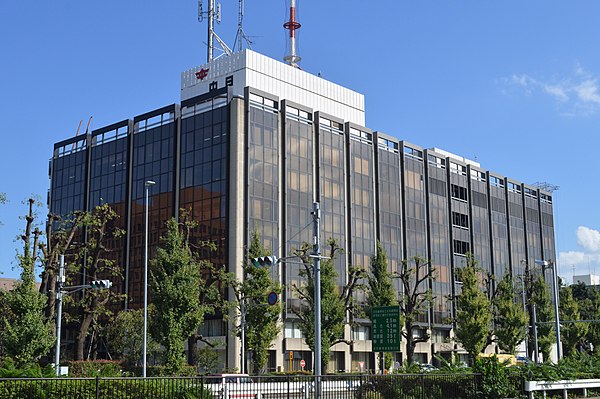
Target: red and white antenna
292,25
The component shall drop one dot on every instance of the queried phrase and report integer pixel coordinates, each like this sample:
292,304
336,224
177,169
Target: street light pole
59,293
317,294
544,264
145,339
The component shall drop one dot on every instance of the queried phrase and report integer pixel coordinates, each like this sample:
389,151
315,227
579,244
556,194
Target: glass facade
415,231
532,225
263,170
362,200
518,254
109,164
203,172
299,189
153,160
499,224
439,236
480,220
389,182
69,170
332,186
416,202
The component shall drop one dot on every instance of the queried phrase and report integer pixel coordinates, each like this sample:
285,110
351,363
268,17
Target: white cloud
583,261
588,239
578,94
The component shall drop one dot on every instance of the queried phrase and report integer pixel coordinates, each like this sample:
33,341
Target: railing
563,385
413,386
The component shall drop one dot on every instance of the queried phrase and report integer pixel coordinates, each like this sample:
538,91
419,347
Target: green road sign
386,328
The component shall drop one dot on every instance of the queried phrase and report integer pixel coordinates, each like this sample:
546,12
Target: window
530,193
361,333
477,175
460,247
496,182
387,144
437,162
460,220
546,198
458,192
292,330
514,188
459,169
412,152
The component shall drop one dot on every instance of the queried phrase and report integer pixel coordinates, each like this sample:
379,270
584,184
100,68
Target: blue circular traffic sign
272,298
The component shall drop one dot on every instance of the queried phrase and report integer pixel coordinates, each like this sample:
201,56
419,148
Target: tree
510,320
25,333
261,320
336,303
538,294
572,334
184,290
473,310
380,290
58,242
415,300
588,299
94,257
125,337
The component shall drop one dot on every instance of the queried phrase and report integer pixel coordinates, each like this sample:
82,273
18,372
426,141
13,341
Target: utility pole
60,283
317,259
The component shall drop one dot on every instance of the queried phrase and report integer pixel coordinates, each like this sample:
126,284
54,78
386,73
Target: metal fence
410,386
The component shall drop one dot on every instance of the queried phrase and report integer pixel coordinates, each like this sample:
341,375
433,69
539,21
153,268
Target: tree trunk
81,336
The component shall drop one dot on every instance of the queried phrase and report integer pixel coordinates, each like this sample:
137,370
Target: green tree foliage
415,300
473,310
539,294
572,334
184,290
25,333
336,302
125,337
588,299
262,320
510,319
380,290
93,310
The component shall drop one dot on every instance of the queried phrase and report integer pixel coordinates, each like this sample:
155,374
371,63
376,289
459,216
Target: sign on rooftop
386,332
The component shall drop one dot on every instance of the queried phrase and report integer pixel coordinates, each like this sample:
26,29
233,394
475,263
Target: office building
252,144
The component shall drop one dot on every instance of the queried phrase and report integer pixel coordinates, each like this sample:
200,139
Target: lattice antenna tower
292,25
213,14
542,185
241,37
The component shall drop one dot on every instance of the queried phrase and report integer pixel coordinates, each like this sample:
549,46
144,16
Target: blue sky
512,84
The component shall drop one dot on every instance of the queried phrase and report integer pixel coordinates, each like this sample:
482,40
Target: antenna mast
292,25
241,37
213,13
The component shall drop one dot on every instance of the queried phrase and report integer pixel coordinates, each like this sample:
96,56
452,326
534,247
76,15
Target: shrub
95,368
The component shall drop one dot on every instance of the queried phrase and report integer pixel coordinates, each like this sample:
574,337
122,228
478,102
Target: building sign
386,336
202,73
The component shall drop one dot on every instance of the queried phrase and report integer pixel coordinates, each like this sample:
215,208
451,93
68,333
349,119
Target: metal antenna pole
60,282
317,279
211,30
292,25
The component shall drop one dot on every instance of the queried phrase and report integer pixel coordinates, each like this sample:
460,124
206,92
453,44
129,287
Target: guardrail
562,385
413,386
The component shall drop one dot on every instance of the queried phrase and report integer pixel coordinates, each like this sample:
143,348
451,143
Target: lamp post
148,184
544,264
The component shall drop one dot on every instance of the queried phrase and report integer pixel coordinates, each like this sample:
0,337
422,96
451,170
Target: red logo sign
302,363
201,74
